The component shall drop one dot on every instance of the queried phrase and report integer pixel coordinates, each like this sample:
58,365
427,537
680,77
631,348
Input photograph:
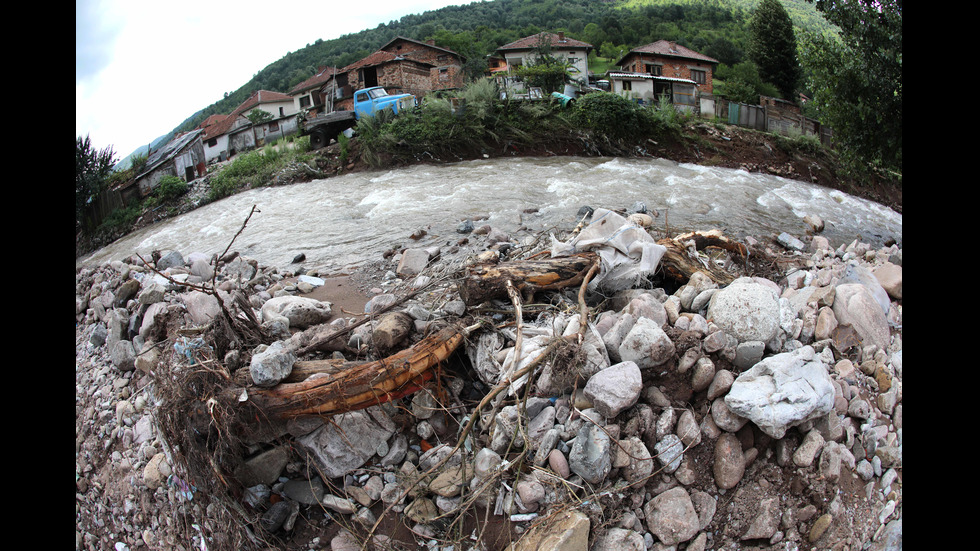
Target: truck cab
370,101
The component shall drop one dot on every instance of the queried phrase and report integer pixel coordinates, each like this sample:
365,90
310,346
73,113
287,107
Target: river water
346,220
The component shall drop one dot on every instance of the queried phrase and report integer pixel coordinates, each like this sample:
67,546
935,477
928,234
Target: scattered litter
189,347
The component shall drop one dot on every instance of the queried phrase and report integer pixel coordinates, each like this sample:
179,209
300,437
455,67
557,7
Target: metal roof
646,76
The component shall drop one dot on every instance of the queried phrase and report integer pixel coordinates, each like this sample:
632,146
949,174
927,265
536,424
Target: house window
304,102
701,77
627,85
212,142
281,113
655,70
273,126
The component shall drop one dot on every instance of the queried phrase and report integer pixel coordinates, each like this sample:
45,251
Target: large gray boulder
855,305
298,312
671,516
271,364
855,273
615,388
591,454
646,344
783,391
746,309
348,441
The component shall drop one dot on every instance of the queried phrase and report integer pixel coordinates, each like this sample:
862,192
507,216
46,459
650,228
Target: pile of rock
763,413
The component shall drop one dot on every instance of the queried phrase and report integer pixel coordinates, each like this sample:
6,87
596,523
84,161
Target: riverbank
702,143
613,448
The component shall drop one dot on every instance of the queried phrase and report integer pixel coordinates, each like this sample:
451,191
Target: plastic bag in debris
494,363
627,253
188,348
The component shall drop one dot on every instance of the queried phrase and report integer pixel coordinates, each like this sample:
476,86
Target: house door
189,174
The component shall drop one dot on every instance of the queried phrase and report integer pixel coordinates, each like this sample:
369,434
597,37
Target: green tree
258,116
857,80
742,83
92,169
772,47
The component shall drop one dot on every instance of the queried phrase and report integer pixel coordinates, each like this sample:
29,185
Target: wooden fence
772,116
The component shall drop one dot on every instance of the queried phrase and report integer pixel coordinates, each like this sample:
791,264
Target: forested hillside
717,28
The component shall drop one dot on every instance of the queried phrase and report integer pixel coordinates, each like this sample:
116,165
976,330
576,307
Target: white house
523,52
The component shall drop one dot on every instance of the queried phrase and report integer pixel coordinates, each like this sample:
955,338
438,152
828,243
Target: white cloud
142,68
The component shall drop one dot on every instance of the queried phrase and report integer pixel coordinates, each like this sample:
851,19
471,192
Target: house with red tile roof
524,51
306,95
226,135
665,58
664,69
402,66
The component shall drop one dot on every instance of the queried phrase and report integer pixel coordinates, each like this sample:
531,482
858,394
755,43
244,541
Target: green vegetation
717,28
857,81
484,123
743,83
256,168
772,47
92,170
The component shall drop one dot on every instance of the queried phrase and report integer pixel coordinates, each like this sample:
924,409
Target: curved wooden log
360,385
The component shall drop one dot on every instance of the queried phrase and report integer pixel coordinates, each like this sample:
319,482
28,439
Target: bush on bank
256,168
481,122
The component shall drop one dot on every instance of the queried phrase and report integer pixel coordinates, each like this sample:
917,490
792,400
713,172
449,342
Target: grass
256,168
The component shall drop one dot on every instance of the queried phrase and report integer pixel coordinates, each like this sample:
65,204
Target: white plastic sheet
627,253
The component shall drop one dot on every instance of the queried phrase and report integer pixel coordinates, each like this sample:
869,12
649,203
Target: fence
772,116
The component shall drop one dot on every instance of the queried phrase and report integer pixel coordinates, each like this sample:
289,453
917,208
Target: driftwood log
483,282
679,264
486,281
350,386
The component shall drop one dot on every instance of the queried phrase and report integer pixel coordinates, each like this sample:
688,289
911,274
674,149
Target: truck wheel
319,139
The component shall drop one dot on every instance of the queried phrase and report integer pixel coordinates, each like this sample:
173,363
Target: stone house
523,52
402,66
183,157
664,68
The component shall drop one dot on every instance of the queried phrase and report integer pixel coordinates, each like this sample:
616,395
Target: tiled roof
321,76
219,127
377,58
554,40
668,49
620,75
260,96
214,126
423,44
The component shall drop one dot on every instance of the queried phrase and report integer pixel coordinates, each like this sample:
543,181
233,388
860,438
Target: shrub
614,116
171,187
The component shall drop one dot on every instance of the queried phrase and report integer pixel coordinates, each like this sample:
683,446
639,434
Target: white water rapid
346,220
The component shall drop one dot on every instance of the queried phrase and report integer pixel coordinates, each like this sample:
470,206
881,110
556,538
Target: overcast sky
141,68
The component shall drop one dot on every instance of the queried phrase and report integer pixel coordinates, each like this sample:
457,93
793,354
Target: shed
182,157
648,89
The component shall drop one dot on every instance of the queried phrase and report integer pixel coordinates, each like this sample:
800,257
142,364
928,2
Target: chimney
561,36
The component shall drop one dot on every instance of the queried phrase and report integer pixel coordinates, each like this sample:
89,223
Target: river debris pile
597,388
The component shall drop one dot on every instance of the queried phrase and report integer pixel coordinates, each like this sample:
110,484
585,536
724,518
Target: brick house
664,58
402,66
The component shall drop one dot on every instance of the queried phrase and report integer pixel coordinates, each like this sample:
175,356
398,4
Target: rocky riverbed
764,412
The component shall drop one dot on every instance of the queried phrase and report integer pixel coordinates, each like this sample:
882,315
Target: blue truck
324,128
